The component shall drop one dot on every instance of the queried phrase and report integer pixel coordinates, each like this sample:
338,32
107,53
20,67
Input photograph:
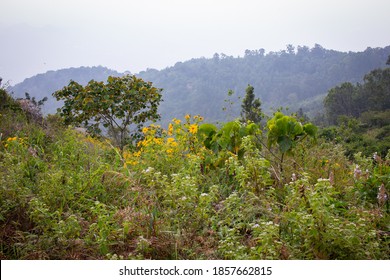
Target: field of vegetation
272,189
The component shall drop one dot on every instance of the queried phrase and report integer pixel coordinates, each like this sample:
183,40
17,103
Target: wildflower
176,121
171,142
382,195
169,151
126,155
157,141
376,157
357,172
203,194
170,129
319,180
12,139
131,162
187,117
149,169
193,128
145,130
293,177
255,226
137,154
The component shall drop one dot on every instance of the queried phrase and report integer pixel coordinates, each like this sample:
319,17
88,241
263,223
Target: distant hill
43,85
296,77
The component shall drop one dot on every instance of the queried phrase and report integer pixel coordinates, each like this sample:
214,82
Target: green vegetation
190,191
251,107
297,77
359,114
121,104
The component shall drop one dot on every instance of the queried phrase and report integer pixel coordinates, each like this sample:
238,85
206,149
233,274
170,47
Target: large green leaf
285,144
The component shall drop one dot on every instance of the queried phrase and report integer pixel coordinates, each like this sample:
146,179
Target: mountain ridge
295,77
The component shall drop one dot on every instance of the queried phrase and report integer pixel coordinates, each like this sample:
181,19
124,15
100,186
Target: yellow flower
145,130
170,129
12,139
137,154
193,128
169,151
171,142
131,162
176,121
157,141
187,117
126,155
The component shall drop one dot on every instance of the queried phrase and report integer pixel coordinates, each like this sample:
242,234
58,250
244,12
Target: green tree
352,100
376,90
123,103
341,101
39,103
251,107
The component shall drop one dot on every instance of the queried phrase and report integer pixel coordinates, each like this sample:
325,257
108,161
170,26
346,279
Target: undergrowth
182,194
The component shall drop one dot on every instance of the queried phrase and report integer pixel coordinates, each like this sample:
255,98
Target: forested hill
43,85
295,78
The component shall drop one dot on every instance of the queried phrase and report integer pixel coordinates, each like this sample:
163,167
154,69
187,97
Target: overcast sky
41,35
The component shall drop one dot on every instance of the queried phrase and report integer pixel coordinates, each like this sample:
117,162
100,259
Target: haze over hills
296,77
43,85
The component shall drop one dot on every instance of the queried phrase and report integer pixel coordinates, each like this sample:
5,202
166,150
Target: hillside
43,85
192,191
296,78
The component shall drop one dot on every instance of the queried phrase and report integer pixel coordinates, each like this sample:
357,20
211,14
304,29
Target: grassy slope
64,195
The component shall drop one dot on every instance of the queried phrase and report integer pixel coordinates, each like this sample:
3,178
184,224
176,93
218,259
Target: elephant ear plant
286,132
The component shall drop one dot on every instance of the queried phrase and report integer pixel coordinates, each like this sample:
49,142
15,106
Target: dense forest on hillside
262,186
359,114
298,77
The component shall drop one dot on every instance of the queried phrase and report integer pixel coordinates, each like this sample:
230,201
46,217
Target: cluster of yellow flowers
176,121
164,140
97,143
172,144
13,139
130,158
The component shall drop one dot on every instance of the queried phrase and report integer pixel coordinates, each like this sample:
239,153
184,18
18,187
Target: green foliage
191,191
117,105
353,100
228,140
295,77
286,132
367,134
250,107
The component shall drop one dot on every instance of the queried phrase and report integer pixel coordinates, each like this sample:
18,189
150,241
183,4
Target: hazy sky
41,35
